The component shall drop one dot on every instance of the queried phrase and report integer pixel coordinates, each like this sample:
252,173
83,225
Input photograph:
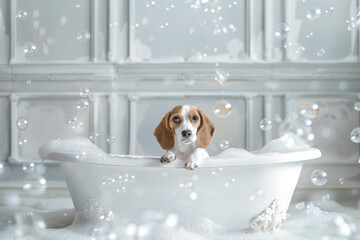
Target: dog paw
168,157
190,165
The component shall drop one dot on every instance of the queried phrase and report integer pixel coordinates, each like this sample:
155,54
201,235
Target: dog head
184,124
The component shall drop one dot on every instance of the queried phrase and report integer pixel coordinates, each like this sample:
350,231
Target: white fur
186,149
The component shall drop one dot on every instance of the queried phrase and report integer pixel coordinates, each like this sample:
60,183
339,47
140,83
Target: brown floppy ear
164,135
205,131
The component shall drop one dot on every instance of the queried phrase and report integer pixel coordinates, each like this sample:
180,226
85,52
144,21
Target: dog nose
186,133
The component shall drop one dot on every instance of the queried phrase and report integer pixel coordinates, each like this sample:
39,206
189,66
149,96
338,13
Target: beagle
185,132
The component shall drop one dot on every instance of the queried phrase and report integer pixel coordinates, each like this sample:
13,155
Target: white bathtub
231,197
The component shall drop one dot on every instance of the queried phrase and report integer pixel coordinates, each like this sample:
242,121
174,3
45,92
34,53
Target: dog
185,132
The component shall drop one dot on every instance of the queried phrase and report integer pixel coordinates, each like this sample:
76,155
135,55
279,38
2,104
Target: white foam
316,220
80,149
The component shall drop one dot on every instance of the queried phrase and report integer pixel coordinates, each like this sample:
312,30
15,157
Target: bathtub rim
155,161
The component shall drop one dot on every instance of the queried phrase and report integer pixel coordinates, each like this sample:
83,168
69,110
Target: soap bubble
129,178
84,92
165,25
341,180
34,184
22,141
320,52
186,183
357,106
359,160
30,48
265,124
355,135
217,171
325,198
121,189
1,168
82,104
21,14
57,139
76,125
193,196
318,177
309,110
296,131
110,139
106,216
330,10
80,156
151,4
171,220
300,50
310,35
22,123
28,82
282,31
94,137
229,181
224,144
313,13
85,35
300,205
222,109
221,77
28,167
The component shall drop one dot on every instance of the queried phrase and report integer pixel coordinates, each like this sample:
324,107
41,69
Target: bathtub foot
270,219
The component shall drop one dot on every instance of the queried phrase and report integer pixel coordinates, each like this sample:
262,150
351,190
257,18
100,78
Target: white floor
23,217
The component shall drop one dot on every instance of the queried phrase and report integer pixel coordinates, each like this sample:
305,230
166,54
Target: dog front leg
168,157
195,158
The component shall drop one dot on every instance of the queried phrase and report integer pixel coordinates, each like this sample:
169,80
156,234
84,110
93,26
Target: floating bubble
355,135
22,141
110,139
84,92
300,50
229,181
217,171
341,180
22,123
106,216
318,177
172,6
129,178
30,48
151,4
35,184
357,106
265,124
222,109
85,35
76,125
1,168
28,167
320,52
282,31
313,13
28,82
121,189
193,196
82,104
330,10
165,25
326,198
224,144
358,159
57,139
63,20
309,110
94,137
288,45
21,14
80,156
300,205
221,77
310,35
296,130
186,183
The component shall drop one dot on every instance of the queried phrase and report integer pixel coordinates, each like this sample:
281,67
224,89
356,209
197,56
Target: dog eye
176,119
195,118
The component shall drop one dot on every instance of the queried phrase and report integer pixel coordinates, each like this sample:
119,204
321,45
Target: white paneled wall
139,59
